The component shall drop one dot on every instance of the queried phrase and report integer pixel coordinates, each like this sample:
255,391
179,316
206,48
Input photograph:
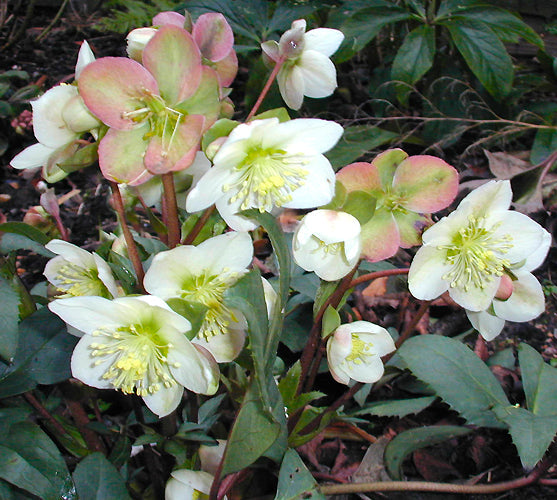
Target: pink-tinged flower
405,188
354,352
137,345
327,242
265,164
469,252
307,69
156,112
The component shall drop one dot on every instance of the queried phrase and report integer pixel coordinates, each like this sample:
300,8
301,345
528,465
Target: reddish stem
189,239
378,274
170,209
266,88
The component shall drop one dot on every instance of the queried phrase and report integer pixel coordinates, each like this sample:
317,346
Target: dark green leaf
413,439
484,53
457,375
10,242
331,321
396,408
545,142
96,478
295,480
25,230
9,319
193,311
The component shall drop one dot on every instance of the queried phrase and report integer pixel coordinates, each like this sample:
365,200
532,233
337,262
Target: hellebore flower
156,112
137,344
265,164
328,243
76,272
60,118
307,69
202,274
468,252
188,484
405,188
354,352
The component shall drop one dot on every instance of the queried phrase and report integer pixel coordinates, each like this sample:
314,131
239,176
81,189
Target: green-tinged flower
76,272
202,274
137,345
265,165
354,352
188,484
405,189
327,242
468,252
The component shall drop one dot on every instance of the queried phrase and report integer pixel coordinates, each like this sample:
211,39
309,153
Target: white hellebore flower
188,484
307,69
137,344
327,242
76,272
60,117
468,252
202,274
354,352
265,164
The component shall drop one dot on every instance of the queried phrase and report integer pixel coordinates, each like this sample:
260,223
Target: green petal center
76,281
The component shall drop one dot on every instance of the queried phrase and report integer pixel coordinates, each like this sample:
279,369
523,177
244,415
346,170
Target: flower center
137,356
359,351
76,281
208,289
198,495
476,255
268,177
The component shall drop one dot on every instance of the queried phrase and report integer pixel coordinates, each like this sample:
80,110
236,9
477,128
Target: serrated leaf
456,375
397,408
539,380
9,319
484,53
414,439
295,480
531,434
96,478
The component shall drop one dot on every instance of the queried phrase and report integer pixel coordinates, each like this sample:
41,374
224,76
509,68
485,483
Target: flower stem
130,242
189,239
170,212
266,88
378,274
410,327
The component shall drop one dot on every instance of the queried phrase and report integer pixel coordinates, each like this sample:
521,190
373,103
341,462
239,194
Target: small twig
81,420
189,239
53,23
35,403
378,274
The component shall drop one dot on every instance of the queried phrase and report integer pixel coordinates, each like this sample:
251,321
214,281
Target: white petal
319,74
291,86
200,481
48,124
210,188
72,253
85,368
84,57
324,40
105,275
193,369
488,325
33,156
232,251
526,302
370,371
475,299
491,197
228,211
536,258
165,400
331,226
442,232
425,280
225,347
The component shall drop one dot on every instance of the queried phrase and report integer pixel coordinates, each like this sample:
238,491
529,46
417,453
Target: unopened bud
136,40
505,289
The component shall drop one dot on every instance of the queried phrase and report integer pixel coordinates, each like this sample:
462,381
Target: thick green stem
130,242
170,213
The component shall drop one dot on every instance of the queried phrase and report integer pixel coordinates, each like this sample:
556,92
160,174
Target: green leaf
414,439
25,230
96,478
531,434
484,53
359,204
193,311
331,321
9,319
414,58
545,142
288,386
396,408
295,480
539,380
221,128
280,113
357,141
456,375
10,242
82,158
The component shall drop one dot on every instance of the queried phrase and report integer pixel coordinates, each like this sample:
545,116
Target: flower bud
77,116
137,39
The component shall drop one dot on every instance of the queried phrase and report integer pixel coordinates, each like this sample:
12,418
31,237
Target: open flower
137,344
328,243
265,164
354,352
307,69
405,188
201,274
60,118
186,484
468,252
76,272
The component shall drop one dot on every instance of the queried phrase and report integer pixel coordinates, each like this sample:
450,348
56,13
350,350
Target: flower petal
34,156
324,40
425,279
291,86
526,302
380,236
475,298
194,367
231,251
213,35
84,366
169,17
360,176
487,324
84,57
225,347
410,227
491,197
209,189
165,400
319,74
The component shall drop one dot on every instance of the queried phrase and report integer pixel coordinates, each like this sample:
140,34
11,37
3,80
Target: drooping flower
354,352
307,69
76,272
201,274
405,188
523,298
328,243
265,164
186,484
60,119
137,344
468,252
